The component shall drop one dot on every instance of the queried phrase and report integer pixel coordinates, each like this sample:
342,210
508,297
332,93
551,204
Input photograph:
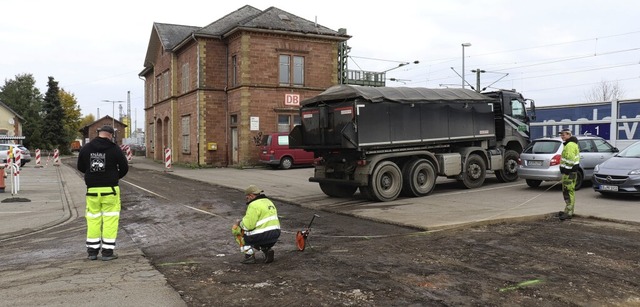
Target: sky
554,52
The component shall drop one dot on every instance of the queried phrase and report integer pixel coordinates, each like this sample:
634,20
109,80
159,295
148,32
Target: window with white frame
287,121
291,70
165,85
158,88
186,138
234,72
185,78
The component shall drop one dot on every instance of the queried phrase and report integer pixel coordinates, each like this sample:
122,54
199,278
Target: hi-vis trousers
102,214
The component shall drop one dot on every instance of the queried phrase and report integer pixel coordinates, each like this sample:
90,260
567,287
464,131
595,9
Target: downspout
226,106
193,36
145,121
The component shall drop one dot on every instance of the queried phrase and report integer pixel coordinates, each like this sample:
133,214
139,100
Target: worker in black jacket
103,164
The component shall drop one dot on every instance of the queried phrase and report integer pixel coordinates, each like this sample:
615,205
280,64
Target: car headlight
596,169
635,172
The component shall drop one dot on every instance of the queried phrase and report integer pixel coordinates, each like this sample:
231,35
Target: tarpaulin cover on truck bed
397,94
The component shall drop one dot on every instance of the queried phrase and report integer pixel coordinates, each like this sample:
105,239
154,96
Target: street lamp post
113,109
464,45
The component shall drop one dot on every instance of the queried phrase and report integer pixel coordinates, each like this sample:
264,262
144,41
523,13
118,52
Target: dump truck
392,141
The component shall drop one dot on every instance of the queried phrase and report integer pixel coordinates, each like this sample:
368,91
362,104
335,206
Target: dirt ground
186,234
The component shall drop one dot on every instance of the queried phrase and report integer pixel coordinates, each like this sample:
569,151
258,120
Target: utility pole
478,72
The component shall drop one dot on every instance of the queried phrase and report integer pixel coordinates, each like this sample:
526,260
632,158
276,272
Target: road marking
156,194
203,211
141,188
478,190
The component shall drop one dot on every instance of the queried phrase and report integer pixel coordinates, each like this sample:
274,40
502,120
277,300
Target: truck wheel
509,171
337,190
475,171
386,181
533,183
286,163
418,177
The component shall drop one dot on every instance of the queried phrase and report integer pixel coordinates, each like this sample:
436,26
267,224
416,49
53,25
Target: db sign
291,99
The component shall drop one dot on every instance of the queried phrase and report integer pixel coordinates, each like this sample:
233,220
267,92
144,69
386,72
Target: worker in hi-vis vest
259,228
103,164
569,167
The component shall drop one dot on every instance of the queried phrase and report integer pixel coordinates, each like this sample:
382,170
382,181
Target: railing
365,78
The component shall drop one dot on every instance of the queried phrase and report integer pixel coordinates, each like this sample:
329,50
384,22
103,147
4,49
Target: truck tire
509,172
475,171
418,177
386,181
337,190
286,163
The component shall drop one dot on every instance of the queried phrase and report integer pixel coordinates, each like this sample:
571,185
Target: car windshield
633,151
543,147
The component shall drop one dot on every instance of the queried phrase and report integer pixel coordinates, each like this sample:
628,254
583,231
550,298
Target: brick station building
211,92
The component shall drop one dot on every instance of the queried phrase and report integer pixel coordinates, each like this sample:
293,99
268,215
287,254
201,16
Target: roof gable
276,19
170,36
230,21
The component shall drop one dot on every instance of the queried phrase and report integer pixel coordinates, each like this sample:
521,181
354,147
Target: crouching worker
259,229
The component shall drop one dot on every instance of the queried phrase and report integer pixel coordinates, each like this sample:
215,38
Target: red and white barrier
56,157
129,153
167,159
38,159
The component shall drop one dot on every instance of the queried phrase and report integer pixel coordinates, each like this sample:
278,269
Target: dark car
620,174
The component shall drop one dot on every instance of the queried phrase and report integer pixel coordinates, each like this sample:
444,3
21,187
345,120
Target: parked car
620,174
540,161
25,154
275,152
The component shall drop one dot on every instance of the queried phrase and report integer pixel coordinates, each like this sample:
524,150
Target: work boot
108,257
249,259
565,216
268,255
92,257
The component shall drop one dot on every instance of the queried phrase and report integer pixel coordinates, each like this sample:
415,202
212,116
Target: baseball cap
252,189
106,128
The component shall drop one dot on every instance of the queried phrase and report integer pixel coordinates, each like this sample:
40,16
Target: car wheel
579,181
286,163
533,183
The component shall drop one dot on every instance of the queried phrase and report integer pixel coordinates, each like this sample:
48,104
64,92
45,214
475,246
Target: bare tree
604,91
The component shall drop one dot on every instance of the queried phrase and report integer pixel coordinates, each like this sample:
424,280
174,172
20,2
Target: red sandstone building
211,92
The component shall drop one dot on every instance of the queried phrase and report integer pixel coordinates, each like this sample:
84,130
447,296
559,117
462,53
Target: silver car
24,152
540,161
620,174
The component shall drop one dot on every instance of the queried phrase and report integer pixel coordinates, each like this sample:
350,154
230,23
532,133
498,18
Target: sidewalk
61,275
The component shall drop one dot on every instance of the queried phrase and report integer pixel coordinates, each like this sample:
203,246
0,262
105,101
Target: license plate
609,188
535,163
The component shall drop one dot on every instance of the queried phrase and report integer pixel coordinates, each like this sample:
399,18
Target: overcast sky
553,51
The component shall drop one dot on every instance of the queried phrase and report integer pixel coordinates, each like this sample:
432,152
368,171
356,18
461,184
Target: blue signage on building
554,119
